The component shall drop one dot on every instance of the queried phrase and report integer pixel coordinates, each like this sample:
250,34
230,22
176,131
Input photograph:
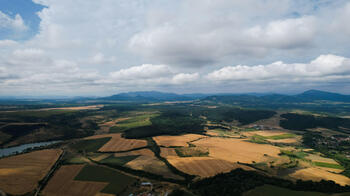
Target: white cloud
7,43
180,44
323,68
15,24
94,45
185,78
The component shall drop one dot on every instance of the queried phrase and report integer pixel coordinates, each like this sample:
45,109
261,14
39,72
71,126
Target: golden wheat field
237,150
153,165
31,167
63,183
317,174
180,140
148,162
204,166
118,143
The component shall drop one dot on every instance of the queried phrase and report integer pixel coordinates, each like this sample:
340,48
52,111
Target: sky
99,48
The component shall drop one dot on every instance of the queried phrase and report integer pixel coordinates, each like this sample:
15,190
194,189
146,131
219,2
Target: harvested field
147,161
143,159
192,152
167,152
20,174
180,140
63,183
204,166
317,174
153,165
318,158
238,150
117,143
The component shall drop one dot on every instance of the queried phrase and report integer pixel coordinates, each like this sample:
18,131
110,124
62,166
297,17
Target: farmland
204,166
117,143
182,140
30,167
179,146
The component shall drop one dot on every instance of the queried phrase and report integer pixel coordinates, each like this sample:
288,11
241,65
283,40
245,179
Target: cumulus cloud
323,68
188,44
93,46
15,24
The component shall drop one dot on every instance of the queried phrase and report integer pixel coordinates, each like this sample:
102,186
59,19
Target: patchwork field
237,150
145,160
317,174
135,120
273,136
63,183
180,140
117,143
106,126
31,167
204,166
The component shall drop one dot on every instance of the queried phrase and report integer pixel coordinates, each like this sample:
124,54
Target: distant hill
307,96
152,96
313,95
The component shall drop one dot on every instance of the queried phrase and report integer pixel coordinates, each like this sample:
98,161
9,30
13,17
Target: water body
22,148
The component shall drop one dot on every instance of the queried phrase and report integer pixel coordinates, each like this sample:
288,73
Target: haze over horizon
100,48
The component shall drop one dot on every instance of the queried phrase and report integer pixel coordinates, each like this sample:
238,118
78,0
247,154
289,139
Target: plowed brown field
62,183
20,174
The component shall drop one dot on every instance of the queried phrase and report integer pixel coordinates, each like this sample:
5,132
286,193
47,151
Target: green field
282,136
76,160
223,133
117,181
258,139
269,190
90,145
133,122
112,160
328,165
294,154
